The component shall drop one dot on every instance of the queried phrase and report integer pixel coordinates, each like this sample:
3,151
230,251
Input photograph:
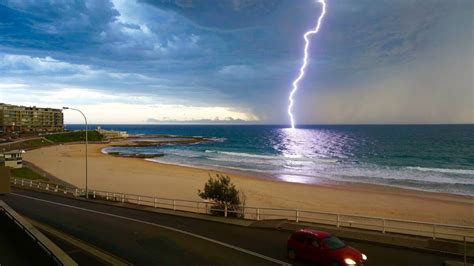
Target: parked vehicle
323,248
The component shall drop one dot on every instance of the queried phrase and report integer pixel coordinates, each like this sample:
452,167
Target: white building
13,159
112,134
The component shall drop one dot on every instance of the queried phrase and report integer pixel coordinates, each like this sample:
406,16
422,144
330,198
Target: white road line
161,226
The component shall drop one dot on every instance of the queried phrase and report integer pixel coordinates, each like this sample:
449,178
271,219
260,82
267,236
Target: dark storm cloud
242,54
222,14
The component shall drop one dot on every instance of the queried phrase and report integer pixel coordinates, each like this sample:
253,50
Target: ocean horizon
436,158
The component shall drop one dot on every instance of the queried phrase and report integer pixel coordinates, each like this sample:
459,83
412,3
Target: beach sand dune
137,176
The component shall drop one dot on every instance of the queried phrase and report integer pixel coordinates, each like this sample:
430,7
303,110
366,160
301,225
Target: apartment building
23,119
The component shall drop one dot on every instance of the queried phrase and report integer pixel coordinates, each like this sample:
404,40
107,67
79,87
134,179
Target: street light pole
85,119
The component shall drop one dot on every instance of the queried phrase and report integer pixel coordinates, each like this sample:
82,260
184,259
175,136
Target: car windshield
333,242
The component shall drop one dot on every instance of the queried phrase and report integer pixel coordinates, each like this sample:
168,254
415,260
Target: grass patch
92,135
35,143
64,137
29,144
26,173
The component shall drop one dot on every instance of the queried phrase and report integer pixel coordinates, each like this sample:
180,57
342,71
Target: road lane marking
161,226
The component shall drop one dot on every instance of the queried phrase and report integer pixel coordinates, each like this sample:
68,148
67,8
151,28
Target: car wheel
291,254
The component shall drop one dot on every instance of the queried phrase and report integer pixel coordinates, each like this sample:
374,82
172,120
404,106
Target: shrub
223,192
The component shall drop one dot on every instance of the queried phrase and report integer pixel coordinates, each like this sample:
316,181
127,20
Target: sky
233,61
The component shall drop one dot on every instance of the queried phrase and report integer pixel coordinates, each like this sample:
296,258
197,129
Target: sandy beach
137,176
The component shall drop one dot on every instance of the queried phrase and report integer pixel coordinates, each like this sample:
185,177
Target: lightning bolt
305,61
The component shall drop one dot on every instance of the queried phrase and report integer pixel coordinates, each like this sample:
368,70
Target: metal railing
370,223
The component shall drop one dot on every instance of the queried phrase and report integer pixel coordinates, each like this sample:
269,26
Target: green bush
223,193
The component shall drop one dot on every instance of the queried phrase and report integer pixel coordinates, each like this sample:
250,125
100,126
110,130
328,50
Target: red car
322,248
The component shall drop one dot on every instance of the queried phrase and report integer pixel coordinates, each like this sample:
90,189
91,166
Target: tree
223,192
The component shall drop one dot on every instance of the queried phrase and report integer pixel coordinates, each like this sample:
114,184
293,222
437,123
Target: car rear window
333,242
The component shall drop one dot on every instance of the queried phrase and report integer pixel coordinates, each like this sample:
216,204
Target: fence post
174,205
154,202
384,224
14,181
434,231
225,210
465,250
31,183
47,186
138,201
56,188
93,194
39,184
76,192
297,216
338,220
123,198
258,214
106,195
22,181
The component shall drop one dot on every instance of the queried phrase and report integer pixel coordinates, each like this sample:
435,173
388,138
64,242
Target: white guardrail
380,224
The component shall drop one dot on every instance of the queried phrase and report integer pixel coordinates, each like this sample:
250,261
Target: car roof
315,233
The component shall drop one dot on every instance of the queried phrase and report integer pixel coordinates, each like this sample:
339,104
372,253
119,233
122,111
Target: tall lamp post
85,119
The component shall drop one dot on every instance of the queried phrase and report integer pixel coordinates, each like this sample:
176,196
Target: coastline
321,181
138,176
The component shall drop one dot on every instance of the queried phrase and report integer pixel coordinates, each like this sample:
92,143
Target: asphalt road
15,243
145,238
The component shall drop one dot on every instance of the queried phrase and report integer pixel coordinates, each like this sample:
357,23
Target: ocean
438,158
